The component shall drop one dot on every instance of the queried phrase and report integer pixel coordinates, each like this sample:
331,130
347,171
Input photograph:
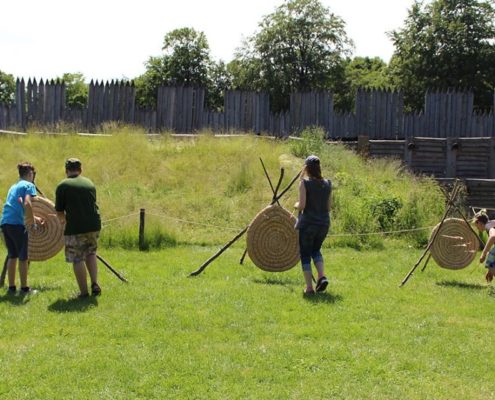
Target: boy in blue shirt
16,207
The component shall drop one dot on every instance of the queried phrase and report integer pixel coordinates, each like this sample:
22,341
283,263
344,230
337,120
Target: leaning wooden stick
450,203
207,262
4,272
111,268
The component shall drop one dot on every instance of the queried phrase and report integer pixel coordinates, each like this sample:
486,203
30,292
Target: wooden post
141,230
363,145
451,151
491,161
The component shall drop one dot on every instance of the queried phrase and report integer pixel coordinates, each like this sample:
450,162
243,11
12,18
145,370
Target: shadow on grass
462,285
325,297
73,305
15,300
275,281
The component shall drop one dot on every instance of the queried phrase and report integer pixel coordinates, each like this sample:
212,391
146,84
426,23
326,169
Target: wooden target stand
452,209
275,199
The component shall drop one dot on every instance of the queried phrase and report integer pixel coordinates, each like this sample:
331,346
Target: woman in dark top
313,221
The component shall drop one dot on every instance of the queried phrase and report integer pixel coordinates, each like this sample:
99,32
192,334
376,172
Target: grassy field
236,332
199,191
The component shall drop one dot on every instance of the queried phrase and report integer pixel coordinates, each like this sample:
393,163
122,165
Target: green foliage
312,140
7,88
385,211
445,44
298,47
203,190
186,61
76,90
362,72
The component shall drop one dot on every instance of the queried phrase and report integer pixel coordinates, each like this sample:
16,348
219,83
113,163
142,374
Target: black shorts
16,239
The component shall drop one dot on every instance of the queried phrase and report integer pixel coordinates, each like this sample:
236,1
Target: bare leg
23,272
11,264
80,273
308,277
320,269
92,267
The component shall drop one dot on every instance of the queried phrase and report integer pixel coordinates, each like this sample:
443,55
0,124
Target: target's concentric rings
272,240
455,245
48,239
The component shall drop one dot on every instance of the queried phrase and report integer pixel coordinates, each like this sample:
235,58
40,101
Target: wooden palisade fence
379,114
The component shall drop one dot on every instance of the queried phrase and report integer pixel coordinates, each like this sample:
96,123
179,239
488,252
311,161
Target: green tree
7,88
298,47
76,90
364,72
445,43
186,61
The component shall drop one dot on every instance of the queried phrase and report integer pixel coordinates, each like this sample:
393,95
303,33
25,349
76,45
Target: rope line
192,222
237,229
116,218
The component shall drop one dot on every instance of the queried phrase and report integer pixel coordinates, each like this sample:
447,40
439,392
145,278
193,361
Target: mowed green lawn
236,332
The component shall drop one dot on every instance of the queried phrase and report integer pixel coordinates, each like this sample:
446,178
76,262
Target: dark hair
313,170
73,164
24,168
483,218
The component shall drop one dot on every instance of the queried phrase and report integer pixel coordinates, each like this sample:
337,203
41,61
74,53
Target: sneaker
95,289
308,292
489,277
82,296
11,290
27,290
322,284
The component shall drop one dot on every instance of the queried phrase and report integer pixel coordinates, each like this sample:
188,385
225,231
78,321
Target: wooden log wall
441,157
379,114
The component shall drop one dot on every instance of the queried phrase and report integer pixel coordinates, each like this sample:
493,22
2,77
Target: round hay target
48,239
272,240
455,245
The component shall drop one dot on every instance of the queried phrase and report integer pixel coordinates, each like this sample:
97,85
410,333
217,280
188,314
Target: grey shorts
78,247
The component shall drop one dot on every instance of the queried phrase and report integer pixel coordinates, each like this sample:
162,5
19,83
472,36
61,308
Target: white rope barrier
154,214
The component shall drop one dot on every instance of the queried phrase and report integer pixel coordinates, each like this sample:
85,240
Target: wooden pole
142,245
450,202
207,262
4,271
118,275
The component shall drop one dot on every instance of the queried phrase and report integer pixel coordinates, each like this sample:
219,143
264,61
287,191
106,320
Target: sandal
95,289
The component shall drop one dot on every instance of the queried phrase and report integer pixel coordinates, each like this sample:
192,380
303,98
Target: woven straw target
272,240
455,245
48,239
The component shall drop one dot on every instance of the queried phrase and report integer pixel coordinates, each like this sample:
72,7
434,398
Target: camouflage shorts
78,247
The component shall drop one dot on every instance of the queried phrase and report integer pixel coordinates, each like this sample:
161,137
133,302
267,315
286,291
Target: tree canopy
185,60
76,90
7,87
301,46
445,44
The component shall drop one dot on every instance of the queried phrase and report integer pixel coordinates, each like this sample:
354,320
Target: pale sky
110,39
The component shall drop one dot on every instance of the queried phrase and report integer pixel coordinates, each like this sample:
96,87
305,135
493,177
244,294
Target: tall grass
203,190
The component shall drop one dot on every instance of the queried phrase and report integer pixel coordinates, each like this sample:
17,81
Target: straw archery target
48,239
455,245
272,240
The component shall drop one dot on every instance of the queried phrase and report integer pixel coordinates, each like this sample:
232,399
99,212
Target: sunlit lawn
236,332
